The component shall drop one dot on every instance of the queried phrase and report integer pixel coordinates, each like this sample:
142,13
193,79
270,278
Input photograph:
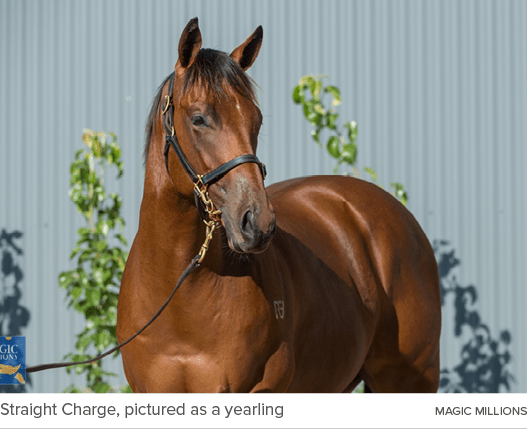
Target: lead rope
193,264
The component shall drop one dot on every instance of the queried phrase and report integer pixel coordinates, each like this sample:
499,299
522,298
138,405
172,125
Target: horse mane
212,70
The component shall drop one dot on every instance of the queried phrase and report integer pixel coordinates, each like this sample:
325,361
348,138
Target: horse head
217,120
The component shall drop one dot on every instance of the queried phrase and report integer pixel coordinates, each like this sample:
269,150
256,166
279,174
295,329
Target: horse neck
170,229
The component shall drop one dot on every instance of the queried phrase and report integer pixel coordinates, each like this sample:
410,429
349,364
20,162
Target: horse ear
247,52
189,44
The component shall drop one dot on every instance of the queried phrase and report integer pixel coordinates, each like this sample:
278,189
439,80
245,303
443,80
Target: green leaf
83,342
93,297
121,261
307,110
352,130
74,252
399,192
65,279
349,153
101,387
333,146
335,92
315,135
311,114
121,238
99,193
319,109
126,389
298,94
316,88
100,245
91,178
331,120
106,276
104,257
84,256
76,292
314,118
97,148
71,389
111,316
102,340
80,306
75,193
116,150
83,231
307,80
98,275
103,226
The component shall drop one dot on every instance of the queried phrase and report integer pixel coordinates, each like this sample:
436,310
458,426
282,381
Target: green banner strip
264,411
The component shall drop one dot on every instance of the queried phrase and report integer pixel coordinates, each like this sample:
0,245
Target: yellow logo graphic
12,360
9,369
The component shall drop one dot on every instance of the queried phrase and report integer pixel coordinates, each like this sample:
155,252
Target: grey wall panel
437,87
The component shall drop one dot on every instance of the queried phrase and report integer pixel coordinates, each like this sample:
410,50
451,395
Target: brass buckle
167,104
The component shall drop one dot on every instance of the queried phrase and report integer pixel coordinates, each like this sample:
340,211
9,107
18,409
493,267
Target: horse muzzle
254,232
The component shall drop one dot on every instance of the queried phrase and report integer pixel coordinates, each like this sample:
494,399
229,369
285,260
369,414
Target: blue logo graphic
12,360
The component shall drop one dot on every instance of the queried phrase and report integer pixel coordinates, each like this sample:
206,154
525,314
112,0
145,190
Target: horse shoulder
359,229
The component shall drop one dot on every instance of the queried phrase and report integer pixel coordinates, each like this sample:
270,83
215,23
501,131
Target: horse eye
197,120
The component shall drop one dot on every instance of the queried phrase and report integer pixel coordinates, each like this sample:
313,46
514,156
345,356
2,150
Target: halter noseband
201,182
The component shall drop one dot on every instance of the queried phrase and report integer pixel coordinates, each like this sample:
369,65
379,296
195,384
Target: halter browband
201,182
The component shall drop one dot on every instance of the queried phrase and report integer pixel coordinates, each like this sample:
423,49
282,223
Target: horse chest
219,341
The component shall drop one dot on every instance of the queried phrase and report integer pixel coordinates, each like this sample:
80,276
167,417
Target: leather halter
201,182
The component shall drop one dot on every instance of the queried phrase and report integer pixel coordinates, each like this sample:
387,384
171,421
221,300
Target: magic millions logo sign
12,360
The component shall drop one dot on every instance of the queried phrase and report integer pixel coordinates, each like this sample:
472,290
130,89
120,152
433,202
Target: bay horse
309,285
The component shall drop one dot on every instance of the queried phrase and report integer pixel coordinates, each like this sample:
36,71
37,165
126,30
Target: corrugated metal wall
438,89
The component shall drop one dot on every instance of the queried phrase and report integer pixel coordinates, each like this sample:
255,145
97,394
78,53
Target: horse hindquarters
404,356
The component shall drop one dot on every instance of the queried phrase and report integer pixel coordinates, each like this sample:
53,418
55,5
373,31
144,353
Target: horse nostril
247,224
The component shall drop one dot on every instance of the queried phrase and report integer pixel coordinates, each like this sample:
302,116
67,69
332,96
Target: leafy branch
341,144
92,287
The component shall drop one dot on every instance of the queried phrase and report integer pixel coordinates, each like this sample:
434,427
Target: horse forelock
217,73
214,72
